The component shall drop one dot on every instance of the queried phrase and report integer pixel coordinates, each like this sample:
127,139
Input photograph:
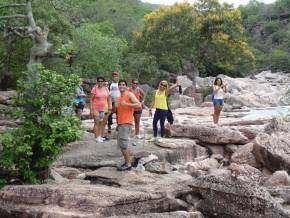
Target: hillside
268,30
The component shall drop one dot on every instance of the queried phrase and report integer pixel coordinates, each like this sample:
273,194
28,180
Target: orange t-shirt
124,113
100,98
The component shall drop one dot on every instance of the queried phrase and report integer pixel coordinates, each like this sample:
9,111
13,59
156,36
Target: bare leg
219,109
126,155
137,118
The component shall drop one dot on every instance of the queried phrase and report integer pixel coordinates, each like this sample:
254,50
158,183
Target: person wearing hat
115,93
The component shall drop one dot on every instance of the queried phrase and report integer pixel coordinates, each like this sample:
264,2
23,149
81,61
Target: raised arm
134,101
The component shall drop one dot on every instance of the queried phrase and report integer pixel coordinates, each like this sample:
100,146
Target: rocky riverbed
235,170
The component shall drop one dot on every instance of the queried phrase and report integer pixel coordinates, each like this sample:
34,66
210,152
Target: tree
207,35
41,47
99,50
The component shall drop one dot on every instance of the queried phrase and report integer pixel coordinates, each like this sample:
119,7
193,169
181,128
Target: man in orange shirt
125,108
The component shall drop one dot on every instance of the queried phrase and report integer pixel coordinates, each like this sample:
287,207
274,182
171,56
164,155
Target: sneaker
105,138
139,136
99,139
124,167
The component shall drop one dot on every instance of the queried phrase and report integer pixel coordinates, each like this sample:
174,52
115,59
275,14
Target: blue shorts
218,102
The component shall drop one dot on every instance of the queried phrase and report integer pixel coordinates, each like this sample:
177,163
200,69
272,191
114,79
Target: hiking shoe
99,139
105,138
124,167
139,136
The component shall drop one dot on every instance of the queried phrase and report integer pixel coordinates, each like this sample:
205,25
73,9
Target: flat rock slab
80,201
228,197
209,134
87,153
141,180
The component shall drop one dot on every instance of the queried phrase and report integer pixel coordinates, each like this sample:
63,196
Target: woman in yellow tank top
159,102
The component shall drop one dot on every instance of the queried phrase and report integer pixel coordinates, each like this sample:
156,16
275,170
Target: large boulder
273,151
229,197
244,155
209,134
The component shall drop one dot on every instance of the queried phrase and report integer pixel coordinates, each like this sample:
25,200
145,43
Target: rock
6,97
230,148
228,197
279,178
159,167
209,134
246,173
277,125
57,177
204,165
176,214
244,155
273,151
80,201
181,101
67,172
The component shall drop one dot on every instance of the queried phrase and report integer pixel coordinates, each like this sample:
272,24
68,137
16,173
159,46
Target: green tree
280,59
45,99
207,34
99,52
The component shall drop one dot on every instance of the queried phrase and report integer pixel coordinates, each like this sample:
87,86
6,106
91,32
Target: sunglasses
100,81
163,85
135,83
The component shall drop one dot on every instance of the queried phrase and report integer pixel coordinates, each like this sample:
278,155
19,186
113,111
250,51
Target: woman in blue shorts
219,90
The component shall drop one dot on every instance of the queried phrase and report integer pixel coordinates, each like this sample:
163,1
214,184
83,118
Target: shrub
272,27
44,100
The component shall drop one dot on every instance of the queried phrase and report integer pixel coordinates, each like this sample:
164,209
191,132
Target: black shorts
169,117
137,112
79,107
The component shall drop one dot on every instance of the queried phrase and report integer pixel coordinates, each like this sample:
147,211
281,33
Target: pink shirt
99,98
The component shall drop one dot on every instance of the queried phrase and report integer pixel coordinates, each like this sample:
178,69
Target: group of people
127,103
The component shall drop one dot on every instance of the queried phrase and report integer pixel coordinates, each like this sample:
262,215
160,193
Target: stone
273,151
204,165
209,134
244,155
159,167
232,198
246,173
6,97
181,101
279,178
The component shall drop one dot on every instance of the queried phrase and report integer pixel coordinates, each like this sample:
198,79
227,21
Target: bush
280,59
45,99
271,27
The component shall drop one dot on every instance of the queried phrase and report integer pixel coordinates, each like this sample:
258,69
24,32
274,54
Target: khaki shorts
124,131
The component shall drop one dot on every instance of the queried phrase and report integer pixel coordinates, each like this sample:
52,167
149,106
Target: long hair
216,79
167,86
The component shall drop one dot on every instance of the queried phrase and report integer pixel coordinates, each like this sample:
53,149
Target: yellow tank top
160,101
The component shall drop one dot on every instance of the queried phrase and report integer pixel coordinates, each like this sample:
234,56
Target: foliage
99,53
47,124
271,27
140,66
280,59
202,34
267,32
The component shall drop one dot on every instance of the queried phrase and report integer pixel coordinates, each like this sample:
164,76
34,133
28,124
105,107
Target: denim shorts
218,102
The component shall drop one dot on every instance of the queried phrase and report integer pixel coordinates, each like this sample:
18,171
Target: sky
235,2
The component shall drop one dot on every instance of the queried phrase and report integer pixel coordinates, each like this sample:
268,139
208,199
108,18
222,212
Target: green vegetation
268,28
47,124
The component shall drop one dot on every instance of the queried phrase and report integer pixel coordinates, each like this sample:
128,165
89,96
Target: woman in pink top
100,99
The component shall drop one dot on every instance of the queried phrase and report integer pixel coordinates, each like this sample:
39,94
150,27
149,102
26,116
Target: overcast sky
235,2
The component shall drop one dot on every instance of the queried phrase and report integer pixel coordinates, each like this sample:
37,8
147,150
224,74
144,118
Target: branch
12,5
13,16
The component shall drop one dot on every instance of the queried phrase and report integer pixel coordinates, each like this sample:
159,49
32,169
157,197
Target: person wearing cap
115,93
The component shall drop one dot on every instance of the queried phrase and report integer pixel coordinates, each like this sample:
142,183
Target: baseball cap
115,73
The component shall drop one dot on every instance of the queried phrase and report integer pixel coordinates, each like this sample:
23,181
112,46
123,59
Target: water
268,112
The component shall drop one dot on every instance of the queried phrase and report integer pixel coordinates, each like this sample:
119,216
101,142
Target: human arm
172,87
